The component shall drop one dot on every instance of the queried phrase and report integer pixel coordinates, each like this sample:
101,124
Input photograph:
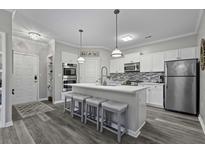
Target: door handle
12,92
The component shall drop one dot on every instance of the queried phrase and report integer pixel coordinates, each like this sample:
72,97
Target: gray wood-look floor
58,127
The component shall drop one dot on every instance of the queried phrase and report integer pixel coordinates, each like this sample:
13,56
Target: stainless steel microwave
132,67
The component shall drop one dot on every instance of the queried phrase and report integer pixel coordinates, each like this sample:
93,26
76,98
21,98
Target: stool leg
118,128
64,105
126,121
86,110
97,118
102,119
82,110
72,107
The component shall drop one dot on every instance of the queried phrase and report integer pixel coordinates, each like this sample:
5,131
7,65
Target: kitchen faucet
102,75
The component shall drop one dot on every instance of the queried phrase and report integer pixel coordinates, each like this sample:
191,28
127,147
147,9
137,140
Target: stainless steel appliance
69,69
182,86
69,76
132,67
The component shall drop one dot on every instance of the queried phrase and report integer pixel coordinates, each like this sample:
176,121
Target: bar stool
92,107
80,98
68,101
119,109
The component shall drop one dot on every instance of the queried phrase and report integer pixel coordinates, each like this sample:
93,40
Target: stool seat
119,107
70,94
80,97
95,101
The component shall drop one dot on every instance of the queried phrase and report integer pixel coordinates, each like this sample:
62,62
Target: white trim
154,105
202,123
137,132
159,41
199,20
77,46
43,99
8,124
3,89
57,102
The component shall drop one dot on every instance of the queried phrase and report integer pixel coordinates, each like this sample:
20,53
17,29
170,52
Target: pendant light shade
116,52
81,59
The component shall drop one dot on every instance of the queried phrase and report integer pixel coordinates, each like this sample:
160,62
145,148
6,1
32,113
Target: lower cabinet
155,95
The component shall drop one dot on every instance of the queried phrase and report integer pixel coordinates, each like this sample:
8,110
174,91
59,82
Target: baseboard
153,105
43,99
8,124
56,102
135,134
130,132
202,123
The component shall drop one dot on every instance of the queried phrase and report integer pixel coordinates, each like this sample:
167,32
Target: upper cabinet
152,62
132,57
183,53
69,58
117,65
146,63
171,55
158,62
187,53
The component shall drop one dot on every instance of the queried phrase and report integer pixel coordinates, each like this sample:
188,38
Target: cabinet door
187,53
113,66
156,95
171,55
117,65
120,64
158,62
146,63
132,57
69,58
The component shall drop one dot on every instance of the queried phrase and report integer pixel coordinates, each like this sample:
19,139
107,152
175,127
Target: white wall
201,34
37,48
184,42
59,48
6,26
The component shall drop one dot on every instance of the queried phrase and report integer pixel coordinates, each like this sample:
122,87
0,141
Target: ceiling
99,25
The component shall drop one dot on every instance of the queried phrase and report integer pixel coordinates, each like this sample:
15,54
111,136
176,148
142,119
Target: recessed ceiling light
148,37
34,35
128,37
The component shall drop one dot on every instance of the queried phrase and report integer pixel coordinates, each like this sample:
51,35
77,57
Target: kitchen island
134,96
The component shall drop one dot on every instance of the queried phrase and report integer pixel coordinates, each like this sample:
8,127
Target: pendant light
116,52
81,59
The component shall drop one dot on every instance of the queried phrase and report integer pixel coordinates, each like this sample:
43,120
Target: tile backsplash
137,76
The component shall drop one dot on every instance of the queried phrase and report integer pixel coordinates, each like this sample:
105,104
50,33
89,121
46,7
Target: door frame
13,75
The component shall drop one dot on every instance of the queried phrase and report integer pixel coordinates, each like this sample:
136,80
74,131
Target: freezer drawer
181,68
180,94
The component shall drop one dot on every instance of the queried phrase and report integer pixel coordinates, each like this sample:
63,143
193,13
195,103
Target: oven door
69,71
66,86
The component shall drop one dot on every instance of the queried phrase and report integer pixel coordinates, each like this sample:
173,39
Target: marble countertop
121,88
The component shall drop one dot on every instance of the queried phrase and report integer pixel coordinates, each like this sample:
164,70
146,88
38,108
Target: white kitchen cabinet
154,94
146,63
187,53
158,62
132,57
117,65
171,55
69,58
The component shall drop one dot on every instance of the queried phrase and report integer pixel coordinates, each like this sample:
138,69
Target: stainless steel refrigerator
182,86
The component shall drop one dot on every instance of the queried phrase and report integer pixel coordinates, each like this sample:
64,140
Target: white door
89,70
25,79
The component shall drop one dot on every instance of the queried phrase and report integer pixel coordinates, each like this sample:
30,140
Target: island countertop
121,88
